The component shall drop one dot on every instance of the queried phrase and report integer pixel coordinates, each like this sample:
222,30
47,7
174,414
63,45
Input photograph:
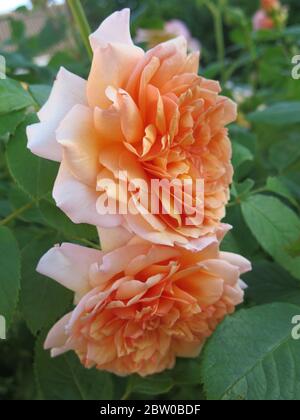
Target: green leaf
286,152
185,372
40,93
252,356
33,174
275,227
294,248
268,282
13,97
9,122
240,155
64,378
43,300
19,199
282,113
59,221
234,241
275,185
10,263
242,189
151,385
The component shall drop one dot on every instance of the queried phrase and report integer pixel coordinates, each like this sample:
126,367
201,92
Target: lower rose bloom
142,305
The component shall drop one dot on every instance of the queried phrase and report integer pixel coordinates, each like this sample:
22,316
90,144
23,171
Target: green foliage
249,360
10,273
49,300
38,181
284,113
252,354
13,97
275,227
65,378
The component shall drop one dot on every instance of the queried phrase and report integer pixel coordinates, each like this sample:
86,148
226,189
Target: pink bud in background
262,21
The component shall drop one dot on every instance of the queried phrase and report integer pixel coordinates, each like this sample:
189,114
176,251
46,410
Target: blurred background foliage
255,70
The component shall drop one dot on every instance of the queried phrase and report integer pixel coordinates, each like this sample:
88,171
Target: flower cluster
271,15
160,285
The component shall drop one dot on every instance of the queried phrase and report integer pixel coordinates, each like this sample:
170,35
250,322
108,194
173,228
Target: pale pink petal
68,90
57,336
230,273
78,201
112,238
81,144
242,263
115,28
69,265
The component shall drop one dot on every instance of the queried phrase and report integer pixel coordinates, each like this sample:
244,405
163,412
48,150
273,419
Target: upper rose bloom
172,28
141,305
149,114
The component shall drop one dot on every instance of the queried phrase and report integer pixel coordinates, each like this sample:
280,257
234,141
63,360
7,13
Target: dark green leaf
9,122
10,263
64,378
33,174
42,299
268,282
13,97
59,221
40,93
151,385
275,226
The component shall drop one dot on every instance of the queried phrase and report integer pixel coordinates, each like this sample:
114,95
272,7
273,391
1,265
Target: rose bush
248,348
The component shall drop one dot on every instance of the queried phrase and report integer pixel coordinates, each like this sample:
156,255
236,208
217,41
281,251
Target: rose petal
68,90
113,238
111,66
57,335
242,263
115,28
69,265
68,193
81,144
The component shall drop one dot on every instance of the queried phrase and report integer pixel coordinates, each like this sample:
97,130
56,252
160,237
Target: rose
149,114
141,305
